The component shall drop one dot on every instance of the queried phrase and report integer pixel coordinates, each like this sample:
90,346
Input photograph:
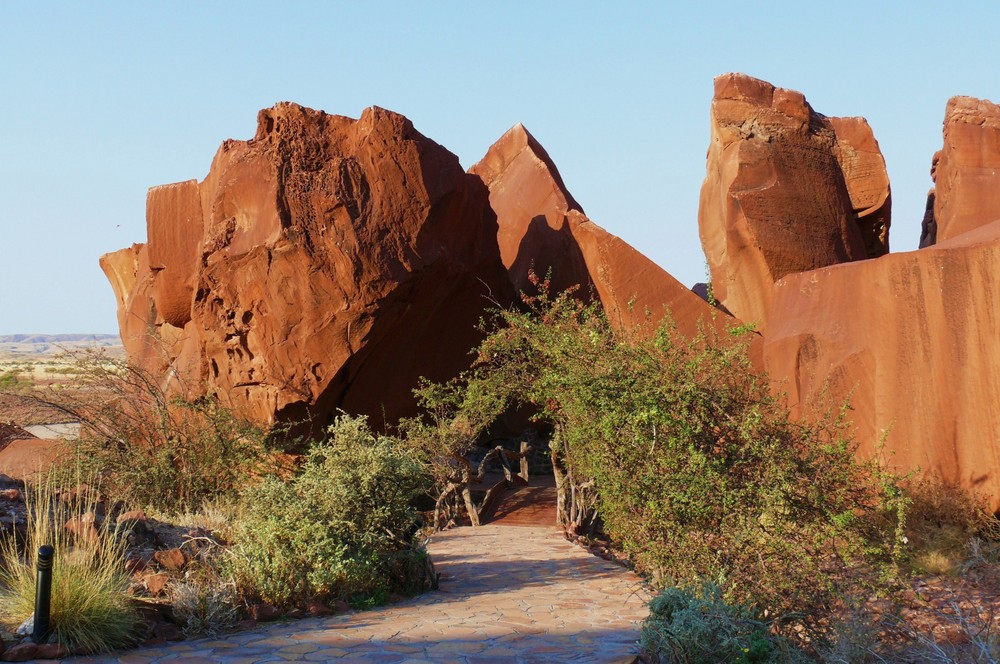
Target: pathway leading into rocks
508,594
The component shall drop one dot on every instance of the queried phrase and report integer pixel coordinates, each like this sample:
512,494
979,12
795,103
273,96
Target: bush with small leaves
695,625
343,528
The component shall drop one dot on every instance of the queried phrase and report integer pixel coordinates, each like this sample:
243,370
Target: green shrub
695,625
342,528
679,448
91,609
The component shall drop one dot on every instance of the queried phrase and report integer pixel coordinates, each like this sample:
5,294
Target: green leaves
700,472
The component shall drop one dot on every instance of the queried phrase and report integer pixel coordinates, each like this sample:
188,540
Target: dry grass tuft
91,610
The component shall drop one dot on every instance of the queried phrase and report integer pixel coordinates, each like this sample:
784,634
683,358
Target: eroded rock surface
328,262
966,171
787,190
917,355
541,227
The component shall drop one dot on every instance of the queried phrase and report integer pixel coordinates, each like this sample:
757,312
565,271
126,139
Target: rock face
918,359
23,458
966,171
541,227
787,190
328,262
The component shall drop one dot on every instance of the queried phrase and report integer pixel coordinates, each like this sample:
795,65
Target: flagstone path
508,594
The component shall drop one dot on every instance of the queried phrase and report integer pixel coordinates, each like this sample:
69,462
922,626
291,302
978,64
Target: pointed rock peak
516,146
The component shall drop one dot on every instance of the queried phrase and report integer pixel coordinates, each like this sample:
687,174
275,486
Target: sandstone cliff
327,262
541,227
917,355
787,190
966,171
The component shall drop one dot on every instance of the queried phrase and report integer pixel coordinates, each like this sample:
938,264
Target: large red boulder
326,263
917,356
787,190
966,171
542,228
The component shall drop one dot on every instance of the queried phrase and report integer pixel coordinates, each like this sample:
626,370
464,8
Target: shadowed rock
326,263
542,227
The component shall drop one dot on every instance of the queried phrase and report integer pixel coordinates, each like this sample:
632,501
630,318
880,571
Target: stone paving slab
507,595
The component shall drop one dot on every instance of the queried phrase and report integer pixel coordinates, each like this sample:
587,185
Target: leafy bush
680,449
695,625
154,448
342,528
91,610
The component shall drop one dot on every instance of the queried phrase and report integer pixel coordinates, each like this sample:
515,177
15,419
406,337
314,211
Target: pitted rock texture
787,190
326,263
541,227
919,360
966,171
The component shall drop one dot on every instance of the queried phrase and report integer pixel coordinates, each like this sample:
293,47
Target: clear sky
102,100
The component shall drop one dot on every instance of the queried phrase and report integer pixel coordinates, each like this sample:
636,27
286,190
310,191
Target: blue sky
104,100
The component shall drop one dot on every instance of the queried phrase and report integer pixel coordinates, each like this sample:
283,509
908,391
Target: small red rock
171,559
22,652
155,583
264,612
10,494
51,651
135,565
168,631
83,528
317,609
133,515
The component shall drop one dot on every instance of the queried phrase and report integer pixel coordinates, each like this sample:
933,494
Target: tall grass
91,610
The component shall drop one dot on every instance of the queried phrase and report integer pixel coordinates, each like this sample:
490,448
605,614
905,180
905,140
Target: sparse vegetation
91,608
154,449
204,603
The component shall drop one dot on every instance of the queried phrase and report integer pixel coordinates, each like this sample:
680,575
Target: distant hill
99,339
24,346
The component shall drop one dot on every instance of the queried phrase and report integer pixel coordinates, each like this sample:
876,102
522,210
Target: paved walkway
508,594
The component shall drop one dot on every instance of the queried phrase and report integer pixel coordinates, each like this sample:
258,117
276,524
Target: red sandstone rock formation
917,355
966,171
541,227
787,190
327,262
23,458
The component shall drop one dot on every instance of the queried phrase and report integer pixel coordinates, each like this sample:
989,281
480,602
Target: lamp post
43,594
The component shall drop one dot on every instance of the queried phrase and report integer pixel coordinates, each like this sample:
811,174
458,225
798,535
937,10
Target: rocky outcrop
10,432
917,356
787,190
24,458
867,181
328,262
542,228
966,171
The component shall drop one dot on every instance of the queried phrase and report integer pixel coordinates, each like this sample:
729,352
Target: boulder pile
328,263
